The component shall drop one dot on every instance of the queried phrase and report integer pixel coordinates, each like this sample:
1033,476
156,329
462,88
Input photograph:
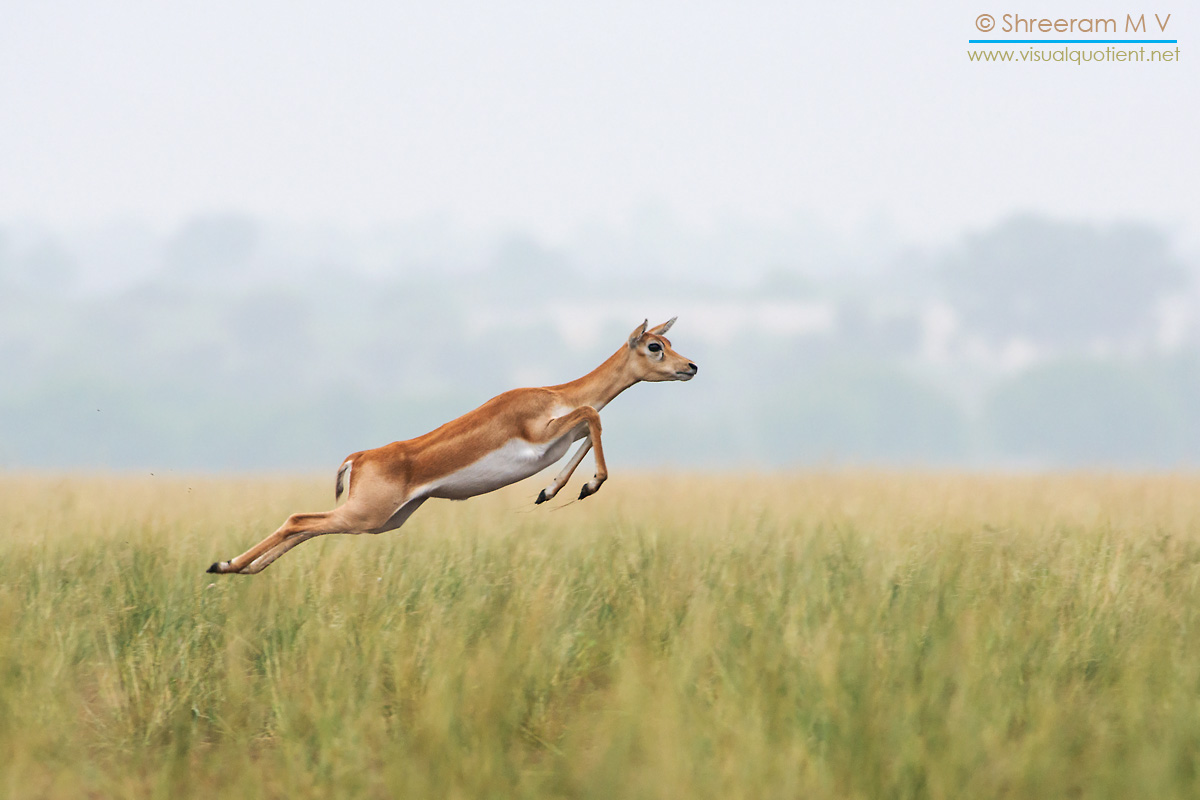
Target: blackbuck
507,439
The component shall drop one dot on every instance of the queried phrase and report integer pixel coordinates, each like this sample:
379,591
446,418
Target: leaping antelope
507,439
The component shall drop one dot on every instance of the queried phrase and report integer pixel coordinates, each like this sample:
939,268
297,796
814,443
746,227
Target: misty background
264,235
230,343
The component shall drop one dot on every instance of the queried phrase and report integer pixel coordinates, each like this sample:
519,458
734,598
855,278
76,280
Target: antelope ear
666,326
637,334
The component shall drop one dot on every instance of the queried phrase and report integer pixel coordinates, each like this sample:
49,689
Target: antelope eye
654,347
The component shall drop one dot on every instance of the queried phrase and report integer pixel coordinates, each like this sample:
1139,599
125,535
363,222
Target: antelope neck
601,385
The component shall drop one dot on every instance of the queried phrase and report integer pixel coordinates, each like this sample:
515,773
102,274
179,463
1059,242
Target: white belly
516,460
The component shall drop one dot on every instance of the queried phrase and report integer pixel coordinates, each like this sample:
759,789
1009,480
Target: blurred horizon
231,343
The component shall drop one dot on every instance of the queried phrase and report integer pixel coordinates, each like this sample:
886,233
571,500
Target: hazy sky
547,116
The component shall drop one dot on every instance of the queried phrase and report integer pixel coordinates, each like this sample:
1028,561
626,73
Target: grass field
859,635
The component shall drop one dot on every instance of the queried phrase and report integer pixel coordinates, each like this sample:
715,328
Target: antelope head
652,358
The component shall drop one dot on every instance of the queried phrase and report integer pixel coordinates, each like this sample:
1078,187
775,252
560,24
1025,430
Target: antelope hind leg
286,537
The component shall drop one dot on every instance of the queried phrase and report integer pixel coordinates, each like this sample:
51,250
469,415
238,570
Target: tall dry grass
863,635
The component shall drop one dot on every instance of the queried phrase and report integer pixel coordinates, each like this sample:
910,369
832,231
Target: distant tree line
1060,344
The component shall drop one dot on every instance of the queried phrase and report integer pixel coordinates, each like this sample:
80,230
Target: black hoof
541,498
216,567
584,492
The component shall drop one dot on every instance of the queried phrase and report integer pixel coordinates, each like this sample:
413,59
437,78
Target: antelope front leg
562,426
592,486
561,479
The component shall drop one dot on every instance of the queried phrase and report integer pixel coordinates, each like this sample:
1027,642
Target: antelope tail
343,480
